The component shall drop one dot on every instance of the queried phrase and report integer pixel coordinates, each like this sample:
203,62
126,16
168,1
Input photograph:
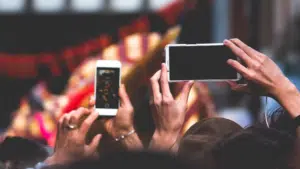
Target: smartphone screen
197,62
107,85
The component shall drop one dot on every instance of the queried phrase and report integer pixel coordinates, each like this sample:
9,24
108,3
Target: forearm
289,99
165,142
132,142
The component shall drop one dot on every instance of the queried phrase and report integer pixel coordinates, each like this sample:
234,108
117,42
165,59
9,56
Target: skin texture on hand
122,123
264,75
168,113
70,143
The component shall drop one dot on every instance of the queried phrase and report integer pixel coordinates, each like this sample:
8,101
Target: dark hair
127,160
255,147
21,153
196,146
281,120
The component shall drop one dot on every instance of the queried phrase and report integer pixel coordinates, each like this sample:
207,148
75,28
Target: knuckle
86,124
235,39
156,102
81,109
61,119
153,79
251,75
256,66
263,56
72,112
167,101
163,80
130,108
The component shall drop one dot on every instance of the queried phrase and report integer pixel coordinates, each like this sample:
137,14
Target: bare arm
168,112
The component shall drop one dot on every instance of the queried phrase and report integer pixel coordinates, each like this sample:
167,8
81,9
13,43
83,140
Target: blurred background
48,47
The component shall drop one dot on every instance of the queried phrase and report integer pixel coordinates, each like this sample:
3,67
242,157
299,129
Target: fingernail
99,135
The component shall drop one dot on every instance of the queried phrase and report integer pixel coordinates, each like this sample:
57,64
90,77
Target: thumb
124,98
184,94
95,142
237,87
92,101
232,84
241,88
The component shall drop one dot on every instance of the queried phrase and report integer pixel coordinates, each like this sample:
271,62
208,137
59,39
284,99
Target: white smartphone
107,82
200,62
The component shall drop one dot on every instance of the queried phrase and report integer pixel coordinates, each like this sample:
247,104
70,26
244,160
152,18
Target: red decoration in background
76,98
71,57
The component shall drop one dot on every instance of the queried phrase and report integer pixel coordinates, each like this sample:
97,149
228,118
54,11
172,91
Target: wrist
132,142
289,98
164,140
122,132
54,159
283,90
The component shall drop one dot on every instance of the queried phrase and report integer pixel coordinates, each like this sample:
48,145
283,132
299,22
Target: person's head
17,152
196,146
128,160
254,147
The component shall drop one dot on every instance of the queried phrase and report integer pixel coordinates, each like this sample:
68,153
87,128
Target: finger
184,94
61,121
239,67
232,84
155,87
238,87
92,101
75,116
241,88
164,81
239,52
66,121
94,143
87,123
124,98
247,49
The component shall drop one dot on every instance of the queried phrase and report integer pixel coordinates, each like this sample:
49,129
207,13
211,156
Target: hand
168,113
70,140
264,76
122,123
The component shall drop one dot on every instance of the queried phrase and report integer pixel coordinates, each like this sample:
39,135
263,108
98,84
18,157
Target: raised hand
260,71
265,75
168,112
70,140
122,123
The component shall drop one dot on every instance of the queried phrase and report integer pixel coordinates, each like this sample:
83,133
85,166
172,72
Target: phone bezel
106,64
202,45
